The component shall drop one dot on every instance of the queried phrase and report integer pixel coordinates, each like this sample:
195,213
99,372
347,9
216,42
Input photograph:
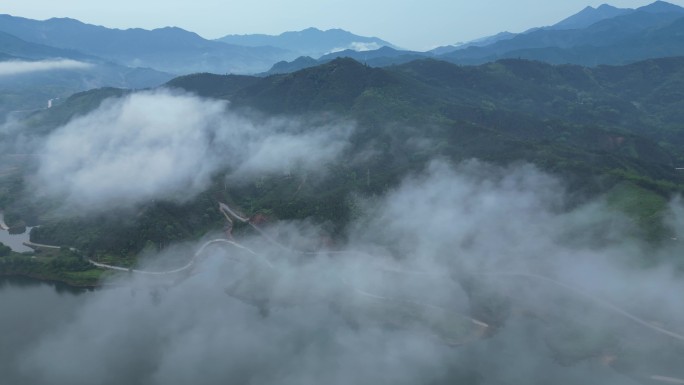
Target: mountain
589,16
381,57
565,116
618,40
309,42
661,7
522,103
283,67
31,90
594,36
597,128
483,41
167,49
621,123
12,45
365,56
656,43
5,57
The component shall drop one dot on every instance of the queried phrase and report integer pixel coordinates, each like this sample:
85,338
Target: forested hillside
614,130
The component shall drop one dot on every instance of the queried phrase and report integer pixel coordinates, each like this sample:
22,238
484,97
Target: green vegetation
77,104
52,265
642,206
605,130
4,250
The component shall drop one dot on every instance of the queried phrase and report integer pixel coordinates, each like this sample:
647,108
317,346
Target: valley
321,206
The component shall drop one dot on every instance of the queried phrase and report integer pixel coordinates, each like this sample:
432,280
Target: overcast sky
414,24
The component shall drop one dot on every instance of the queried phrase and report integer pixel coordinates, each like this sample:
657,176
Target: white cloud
163,145
18,67
356,46
475,224
362,46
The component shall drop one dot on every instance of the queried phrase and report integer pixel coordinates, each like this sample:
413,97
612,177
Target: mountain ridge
589,16
587,46
169,49
308,42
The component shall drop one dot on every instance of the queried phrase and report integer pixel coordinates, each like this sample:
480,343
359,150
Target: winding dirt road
190,263
232,215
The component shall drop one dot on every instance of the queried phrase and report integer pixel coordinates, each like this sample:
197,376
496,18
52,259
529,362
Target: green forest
612,131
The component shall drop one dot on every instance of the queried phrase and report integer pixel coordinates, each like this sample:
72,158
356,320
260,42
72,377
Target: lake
30,310
15,241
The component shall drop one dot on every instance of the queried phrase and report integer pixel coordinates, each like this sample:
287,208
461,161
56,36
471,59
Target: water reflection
30,311
15,241
20,283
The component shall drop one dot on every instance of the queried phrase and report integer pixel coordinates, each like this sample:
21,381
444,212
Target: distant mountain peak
660,6
309,42
170,49
590,15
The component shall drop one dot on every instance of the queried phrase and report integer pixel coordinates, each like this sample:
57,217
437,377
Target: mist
396,303
19,67
169,145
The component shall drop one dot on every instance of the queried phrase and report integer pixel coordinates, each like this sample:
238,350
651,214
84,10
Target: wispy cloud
357,46
375,316
165,145
15,67
363,46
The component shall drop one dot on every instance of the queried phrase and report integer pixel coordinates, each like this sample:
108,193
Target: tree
4,250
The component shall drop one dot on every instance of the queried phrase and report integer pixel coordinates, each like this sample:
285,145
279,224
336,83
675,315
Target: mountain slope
284,67
309,42
167,49
579,45
32,89
603,35
596,128
15,46
481,42
654,43
589,16
586,104
381,57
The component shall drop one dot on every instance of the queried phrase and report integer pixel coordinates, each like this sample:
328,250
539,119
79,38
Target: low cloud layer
449,244
358,46
18,67
165,145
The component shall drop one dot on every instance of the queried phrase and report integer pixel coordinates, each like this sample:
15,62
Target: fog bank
167,145
451,243
18,67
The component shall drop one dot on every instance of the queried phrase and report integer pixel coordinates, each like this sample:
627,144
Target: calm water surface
30,310
15,241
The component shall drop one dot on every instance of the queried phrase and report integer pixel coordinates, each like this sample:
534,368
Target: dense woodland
612,130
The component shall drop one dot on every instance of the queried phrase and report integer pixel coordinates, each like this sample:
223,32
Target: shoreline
53,280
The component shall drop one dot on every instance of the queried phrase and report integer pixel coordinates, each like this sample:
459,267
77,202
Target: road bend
191,263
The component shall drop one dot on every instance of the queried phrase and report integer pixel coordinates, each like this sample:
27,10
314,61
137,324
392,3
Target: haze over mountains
594,36
357,214
31,76
299,149
602,35
137,58
167,49
589,16
119,57
647,32
310,42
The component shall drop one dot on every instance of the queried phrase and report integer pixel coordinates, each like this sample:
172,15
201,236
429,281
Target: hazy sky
409,23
